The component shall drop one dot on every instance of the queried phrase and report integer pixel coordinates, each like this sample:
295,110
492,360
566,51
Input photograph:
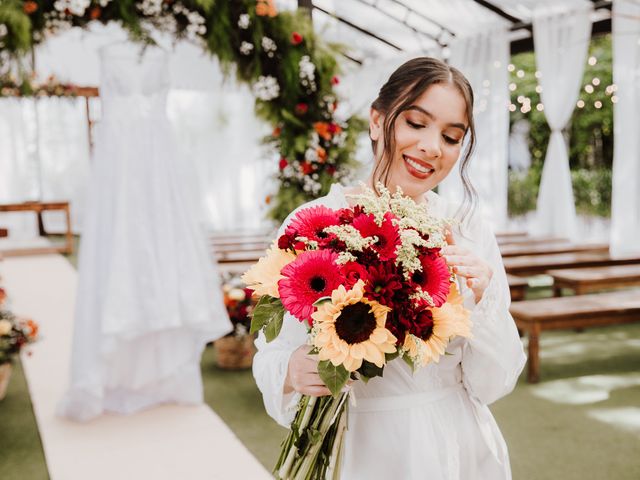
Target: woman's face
428,139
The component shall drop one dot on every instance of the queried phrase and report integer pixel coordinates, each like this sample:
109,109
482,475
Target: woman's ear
375,124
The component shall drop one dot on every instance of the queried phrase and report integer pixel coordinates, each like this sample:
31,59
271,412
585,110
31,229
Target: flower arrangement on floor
291,73
371,286
236,350
15,333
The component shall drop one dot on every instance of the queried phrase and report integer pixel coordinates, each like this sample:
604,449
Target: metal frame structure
521,31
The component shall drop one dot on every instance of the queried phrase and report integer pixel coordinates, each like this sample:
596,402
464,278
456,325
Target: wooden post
534,354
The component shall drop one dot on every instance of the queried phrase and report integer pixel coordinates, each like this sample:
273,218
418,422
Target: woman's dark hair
403,88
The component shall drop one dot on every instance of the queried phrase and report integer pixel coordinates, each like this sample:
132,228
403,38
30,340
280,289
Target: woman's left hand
477,272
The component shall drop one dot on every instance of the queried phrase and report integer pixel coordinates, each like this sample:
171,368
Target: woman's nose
430,144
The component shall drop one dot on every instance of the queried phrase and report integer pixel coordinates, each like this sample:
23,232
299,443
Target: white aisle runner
167,442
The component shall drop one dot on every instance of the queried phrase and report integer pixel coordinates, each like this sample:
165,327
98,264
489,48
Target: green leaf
370,370
268,314
272,330
335,378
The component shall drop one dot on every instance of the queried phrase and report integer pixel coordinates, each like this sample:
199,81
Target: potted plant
15,333
235,351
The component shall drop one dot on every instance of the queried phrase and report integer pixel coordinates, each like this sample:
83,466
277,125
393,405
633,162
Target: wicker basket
235,353
5,375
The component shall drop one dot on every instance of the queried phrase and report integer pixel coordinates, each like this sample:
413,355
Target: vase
5,375
235,353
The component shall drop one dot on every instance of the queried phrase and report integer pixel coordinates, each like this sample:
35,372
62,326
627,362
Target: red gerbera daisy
312,275
434,277
310,223
388,234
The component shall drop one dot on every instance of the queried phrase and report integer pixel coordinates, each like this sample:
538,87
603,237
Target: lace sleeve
494,357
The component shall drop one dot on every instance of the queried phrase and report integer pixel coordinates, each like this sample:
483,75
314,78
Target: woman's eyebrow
461,126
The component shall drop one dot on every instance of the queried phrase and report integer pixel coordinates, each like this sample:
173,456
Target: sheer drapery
44,155
561,35
483,57
625,204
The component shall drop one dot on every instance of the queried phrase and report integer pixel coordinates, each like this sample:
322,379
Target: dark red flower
310,223
283,163
353,272
286,242
296,38
345,215
382,284
331,170
434,277
301,108
312,275
335,80
388,234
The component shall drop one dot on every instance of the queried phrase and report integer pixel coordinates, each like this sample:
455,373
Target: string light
520,98
511,67
588,88
608,90
593,61
538,88
580,104
512,108
596,81
512,87
540,107
520,73
497,64
597,104
614,99
538,74
486,83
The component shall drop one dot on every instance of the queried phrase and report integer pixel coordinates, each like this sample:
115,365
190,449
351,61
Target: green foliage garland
277,53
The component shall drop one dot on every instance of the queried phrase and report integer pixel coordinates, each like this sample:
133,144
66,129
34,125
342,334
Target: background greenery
590,133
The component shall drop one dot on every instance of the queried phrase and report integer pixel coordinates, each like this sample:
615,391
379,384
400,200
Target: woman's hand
302,374
477,272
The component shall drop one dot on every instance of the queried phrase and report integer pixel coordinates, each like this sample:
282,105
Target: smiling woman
434,422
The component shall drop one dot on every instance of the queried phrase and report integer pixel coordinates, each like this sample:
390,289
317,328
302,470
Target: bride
434,424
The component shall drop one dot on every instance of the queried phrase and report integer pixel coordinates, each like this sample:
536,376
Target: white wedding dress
434,424
148,297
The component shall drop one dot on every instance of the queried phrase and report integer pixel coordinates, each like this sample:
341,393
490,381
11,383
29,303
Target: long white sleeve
494,357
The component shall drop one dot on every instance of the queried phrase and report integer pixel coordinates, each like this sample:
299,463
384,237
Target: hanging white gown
434,424
148,297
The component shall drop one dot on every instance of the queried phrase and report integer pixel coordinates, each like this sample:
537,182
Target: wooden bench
241,247
538,264
38,208
585,280
545,248
517,287
529,240
594,310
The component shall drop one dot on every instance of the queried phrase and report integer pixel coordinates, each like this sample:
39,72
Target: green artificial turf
21,455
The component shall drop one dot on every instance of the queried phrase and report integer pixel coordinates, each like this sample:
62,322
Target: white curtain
483,57
220,140
44,155
561,35
625,205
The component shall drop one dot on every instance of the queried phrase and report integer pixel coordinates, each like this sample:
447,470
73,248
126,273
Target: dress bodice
134,80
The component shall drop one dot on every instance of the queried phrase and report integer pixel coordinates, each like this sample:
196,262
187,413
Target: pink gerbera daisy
434,278
311,222
312,275
388,234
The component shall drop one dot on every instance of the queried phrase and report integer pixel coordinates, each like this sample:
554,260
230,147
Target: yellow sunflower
351,328
450,320
263,276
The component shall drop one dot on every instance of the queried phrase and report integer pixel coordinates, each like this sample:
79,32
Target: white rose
5,327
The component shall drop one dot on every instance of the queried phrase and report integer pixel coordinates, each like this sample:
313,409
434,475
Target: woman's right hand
302,374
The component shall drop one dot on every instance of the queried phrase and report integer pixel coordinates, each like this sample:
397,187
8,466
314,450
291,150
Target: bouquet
371,286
